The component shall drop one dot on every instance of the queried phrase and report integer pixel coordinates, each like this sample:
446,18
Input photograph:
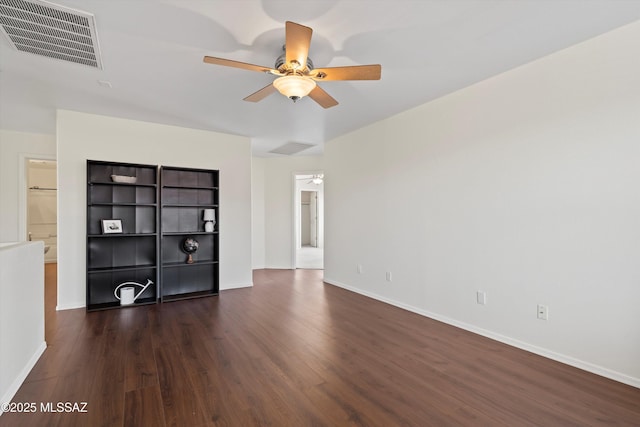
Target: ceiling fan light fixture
296,73
294,87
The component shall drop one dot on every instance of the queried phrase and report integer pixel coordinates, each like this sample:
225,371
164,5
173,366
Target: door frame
295,240
313,222
23,170
314,218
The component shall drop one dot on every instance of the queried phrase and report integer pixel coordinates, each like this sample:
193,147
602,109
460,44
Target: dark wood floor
292,351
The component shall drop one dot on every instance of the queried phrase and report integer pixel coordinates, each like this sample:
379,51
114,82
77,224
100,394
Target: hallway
309,257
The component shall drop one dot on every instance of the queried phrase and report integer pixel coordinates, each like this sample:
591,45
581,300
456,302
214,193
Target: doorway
38,220
42,206
309,221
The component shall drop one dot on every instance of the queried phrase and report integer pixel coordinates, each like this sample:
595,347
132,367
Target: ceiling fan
315,179
296,76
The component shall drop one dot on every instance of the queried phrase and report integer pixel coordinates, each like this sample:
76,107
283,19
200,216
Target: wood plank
143,407
32,392
175,389
107,391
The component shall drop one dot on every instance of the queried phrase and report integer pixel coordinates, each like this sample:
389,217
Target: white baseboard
61,307
236,286
567,360
22,375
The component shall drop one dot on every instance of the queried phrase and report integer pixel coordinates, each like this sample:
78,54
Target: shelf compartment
135,219
172,248
123,252
189,196
100,287
122,194
179,282
188,178
100,172
183,219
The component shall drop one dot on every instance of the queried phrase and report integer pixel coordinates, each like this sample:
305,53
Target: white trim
17,382
294,235
296,215
275,267
71,306
236,286
567,360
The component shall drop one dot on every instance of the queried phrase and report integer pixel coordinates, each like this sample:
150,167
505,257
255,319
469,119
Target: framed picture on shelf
111,226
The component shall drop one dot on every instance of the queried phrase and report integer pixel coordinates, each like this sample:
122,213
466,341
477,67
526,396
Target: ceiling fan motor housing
282,66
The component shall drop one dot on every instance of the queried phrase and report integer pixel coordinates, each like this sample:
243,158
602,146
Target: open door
313,219
308,227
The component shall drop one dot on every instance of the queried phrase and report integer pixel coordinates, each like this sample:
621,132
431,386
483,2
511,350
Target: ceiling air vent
291,148
51,30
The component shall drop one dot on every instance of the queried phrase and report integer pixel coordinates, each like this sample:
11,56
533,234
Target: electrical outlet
359,268
388,276
543,312
481,297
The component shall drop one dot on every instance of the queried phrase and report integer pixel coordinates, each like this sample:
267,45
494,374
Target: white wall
257,213
21,313
277,176
15,147
525,186
84,136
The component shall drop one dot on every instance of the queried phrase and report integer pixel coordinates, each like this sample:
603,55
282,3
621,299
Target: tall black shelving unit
129,255
184,195
158,209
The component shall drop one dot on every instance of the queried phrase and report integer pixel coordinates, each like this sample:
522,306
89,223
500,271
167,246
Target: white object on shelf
127,295
209,218
127,292
124,178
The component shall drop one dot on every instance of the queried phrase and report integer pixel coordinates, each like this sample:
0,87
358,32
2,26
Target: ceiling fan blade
236,64
261,94
355,72
323,98
298,39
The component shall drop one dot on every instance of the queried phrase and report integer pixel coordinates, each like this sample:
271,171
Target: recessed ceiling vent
51,30
291,148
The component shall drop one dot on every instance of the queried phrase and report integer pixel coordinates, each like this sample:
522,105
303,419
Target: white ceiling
152,54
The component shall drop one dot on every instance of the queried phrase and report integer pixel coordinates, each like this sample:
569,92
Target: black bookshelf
129,254
184,195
